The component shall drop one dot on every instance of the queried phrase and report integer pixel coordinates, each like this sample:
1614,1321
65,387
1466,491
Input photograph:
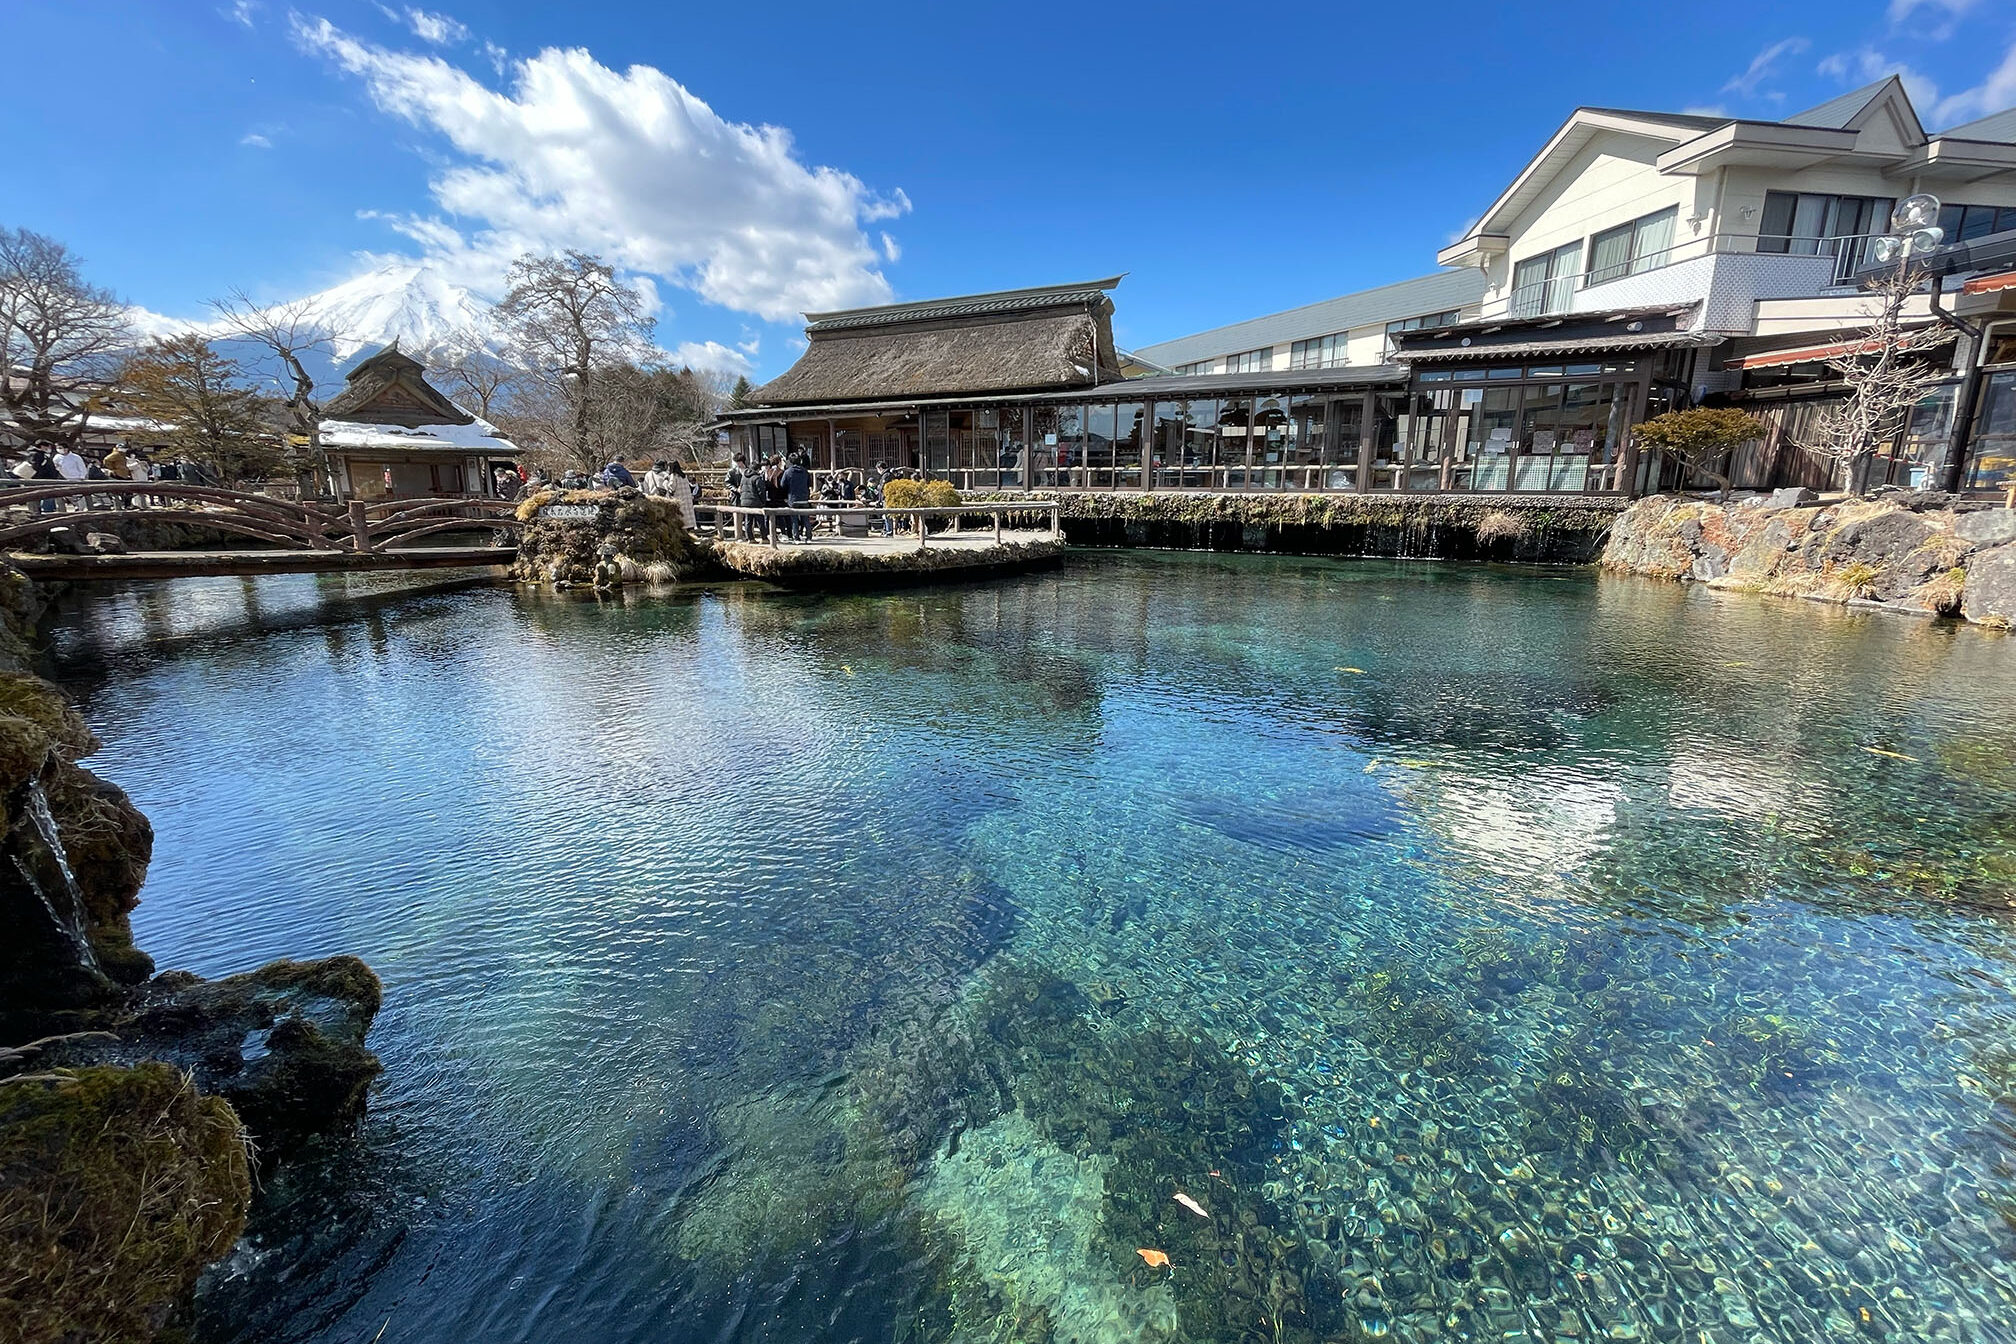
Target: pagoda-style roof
391,388
1019,340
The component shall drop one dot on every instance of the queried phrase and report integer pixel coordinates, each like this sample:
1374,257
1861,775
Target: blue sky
1232,159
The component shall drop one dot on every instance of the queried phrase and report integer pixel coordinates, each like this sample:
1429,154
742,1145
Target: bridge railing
359,526
729,517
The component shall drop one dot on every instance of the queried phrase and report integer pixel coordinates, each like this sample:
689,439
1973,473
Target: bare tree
60,339
203,408
570,321
289,334
1886,375
479,381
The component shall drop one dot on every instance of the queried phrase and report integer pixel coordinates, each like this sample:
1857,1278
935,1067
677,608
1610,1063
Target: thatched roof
1055,337
391,388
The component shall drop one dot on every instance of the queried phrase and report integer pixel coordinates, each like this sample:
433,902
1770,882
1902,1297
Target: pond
1486,953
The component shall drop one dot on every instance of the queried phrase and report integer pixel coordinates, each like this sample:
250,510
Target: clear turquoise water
1494,954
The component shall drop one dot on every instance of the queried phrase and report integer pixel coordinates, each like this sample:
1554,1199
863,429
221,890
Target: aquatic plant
1775,1051
1413,1024
116,1187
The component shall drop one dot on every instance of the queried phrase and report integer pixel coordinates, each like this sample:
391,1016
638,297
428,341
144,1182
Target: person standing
797,482
755,495
70,466
680,491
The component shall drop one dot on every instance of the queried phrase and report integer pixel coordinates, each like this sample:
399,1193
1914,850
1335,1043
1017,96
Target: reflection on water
1488,954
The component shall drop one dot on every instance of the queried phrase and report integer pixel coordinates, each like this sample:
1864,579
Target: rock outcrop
131,1108
1923,553
645,534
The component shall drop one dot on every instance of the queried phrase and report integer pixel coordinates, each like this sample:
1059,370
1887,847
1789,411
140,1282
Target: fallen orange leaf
1154,1259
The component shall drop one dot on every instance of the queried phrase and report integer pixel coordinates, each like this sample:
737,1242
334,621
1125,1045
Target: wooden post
997,527
770,523
923,530
1368,440
360,527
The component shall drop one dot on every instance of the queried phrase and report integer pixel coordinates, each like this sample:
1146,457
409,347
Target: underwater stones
1025,1215
117,1186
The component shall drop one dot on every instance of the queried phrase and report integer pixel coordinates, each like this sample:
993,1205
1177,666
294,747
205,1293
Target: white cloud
1759,69
436,28
891,249
1943,15
1708,110
241,12
632,166
1993,94
712,355
149,324
255,140
1867,65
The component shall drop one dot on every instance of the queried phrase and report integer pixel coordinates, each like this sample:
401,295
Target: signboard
570,513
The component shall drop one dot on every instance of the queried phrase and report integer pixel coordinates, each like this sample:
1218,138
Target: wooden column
1368,439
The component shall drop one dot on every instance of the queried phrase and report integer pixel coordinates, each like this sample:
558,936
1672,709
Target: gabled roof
391,388
1997,129
1051,336
1841,113
1441,292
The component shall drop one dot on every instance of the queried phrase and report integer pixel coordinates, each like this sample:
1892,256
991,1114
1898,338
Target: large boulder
646,534
1990,595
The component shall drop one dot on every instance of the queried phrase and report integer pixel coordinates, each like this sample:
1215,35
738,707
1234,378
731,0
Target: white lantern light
1921,241
1886,250
1915,212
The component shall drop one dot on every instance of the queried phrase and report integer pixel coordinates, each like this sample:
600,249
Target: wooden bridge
288,537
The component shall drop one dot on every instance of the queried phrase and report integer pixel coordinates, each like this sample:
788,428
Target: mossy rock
645,531
117,1186
37,723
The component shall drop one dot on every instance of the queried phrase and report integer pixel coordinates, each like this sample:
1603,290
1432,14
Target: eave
1957,161
1757,144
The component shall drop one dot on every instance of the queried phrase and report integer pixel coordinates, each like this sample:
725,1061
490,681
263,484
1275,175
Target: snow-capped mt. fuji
406,300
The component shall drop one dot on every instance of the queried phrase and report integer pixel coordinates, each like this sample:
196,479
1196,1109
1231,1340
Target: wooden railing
730,517
359,526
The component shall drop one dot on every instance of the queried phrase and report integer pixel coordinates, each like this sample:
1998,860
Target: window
1543,284
1321,352
1252,361
1965,223
1426,322
1191,370
1801,222
1631,248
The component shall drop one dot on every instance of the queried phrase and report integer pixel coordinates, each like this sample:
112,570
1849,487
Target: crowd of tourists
781,482
47,462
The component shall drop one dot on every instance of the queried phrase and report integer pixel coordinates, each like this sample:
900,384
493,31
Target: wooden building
390,434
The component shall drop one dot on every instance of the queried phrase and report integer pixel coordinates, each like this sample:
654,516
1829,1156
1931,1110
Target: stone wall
1551,530
1927,554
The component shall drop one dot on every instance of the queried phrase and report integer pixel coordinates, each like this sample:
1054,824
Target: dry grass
117,1186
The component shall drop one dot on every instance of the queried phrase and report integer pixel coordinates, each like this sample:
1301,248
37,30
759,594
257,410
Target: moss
342,977
818,563
308,1083
646,533
117,1186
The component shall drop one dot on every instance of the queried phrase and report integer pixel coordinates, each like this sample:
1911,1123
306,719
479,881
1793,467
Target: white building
1354,331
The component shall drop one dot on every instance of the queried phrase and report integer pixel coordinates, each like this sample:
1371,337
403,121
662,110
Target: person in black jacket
797,483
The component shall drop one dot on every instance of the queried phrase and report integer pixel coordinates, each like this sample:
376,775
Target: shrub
1857,578
1701,438
904,493
941,495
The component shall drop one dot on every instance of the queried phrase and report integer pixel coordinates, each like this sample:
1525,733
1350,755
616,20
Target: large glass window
1991,461
1185,441
1251,361
1191,370
1129,432
1631,248
1320,352
1544,284
1307,449
1494,415
1816,224
1965,223
1270,441
1056,455
1235,426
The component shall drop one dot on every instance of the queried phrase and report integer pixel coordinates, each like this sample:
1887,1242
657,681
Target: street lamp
1914,230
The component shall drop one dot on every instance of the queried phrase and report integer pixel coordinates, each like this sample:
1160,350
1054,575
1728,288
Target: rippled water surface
1488,954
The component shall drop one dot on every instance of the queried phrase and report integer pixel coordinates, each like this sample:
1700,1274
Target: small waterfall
72,923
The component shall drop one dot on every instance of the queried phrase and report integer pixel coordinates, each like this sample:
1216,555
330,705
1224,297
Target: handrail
1544,298
924,513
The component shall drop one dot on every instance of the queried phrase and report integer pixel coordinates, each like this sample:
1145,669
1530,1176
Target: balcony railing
1849,254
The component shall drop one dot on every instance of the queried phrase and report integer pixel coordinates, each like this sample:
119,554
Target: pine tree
202,409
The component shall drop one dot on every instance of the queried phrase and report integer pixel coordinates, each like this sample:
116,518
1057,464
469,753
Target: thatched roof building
1020,340
391,434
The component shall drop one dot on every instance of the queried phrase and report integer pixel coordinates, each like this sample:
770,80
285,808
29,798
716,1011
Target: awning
1988,284
1588,345
1924,339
